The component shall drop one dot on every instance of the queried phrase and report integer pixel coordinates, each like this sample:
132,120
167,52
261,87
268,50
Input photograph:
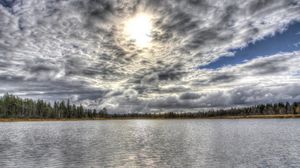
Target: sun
139,29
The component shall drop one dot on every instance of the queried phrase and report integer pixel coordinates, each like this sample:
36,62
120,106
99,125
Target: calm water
151,143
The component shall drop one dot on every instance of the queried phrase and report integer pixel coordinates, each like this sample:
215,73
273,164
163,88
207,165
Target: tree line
14,107
263,109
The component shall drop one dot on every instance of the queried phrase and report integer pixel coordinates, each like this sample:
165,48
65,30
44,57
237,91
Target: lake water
152,143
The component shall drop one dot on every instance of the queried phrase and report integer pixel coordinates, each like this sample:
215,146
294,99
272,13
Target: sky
151,55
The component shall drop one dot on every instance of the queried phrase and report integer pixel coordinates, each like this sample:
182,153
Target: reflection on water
151,143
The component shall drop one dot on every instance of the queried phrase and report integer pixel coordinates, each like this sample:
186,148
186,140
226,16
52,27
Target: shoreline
277,116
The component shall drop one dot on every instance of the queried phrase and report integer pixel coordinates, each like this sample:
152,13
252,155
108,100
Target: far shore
276,116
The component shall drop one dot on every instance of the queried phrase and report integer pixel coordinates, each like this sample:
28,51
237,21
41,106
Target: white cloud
71,47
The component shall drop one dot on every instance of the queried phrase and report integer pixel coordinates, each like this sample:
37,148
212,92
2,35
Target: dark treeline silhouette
264,109
14,107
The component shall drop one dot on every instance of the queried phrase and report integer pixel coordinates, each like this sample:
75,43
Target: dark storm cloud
171,73
268,67
40,68
161,73
259,5
52,90
95,11
75,65
9,78
4,65
188,96
222,78
179,22
240,96
200,3
216,78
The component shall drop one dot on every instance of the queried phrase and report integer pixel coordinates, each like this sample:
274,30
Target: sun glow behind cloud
142,55
138,29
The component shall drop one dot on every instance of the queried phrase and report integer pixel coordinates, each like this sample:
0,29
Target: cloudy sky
151,55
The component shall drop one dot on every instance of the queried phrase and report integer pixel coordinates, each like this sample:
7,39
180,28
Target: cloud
188,96
74,48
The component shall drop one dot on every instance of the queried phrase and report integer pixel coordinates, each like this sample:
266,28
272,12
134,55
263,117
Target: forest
15,107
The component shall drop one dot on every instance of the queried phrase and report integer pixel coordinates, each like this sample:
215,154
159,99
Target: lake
151,143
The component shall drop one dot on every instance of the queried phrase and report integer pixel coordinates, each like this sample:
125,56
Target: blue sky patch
7,3
287,41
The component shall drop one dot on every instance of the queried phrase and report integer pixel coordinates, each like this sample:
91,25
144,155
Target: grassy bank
131,118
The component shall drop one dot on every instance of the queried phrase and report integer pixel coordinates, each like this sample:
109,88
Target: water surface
151,143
